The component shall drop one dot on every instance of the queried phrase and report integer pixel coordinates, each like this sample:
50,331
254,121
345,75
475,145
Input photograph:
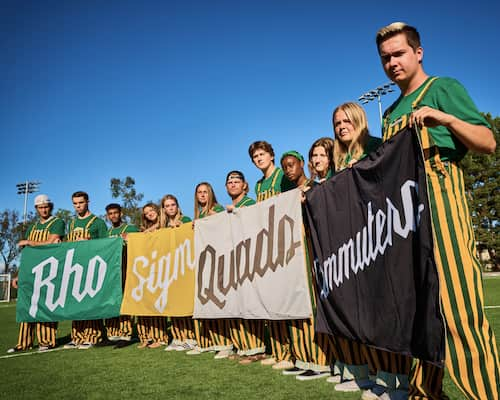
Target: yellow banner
160,273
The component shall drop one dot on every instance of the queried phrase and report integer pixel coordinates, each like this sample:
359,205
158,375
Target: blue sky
172,93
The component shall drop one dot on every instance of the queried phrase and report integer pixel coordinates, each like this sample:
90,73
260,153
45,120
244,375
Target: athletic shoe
154,345
114,338
354,385
194,352
374,393
234,356
269,361
334,379
85,346
394,395
70,345
43,349
245,360
293,371
184,346
122,343
284,364
172,347
143,345
125,338
14,350
309,375
223,354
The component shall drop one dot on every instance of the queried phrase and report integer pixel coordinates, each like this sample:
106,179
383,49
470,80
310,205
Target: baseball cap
42,199
235,175
292,153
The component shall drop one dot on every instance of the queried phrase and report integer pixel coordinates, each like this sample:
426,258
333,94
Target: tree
12,230
124,190
482,182
65,215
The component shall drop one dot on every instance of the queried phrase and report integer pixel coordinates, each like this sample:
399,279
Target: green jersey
244,202
40,232
90,227
371,145
123,228
444,94
266,188
217,208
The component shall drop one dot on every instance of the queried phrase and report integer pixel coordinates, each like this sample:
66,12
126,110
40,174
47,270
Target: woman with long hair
321,159
183,337
211,334
152,331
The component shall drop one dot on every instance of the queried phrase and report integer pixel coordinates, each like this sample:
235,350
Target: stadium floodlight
26,188
377,94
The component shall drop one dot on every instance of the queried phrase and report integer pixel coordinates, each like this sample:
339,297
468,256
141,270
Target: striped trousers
45,332
471,350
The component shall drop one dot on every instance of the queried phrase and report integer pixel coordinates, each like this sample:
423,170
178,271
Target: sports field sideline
130,373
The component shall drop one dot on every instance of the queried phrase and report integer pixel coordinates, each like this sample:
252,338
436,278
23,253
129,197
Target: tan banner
251,262
160,273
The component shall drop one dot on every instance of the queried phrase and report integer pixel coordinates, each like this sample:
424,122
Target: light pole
377,94
25,188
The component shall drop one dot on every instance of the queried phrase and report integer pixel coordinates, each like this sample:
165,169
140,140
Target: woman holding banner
353,143
182,328
211,334
152,330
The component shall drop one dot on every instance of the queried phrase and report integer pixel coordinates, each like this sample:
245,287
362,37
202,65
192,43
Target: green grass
130,373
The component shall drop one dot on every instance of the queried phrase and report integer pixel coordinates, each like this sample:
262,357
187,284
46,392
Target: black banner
372,237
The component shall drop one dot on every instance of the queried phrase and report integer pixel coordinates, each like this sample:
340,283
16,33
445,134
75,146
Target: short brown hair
80,194
260,145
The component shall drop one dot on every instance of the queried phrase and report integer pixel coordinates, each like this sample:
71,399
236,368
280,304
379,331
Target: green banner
70,281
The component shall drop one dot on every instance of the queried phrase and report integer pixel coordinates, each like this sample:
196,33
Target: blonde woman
211,334
152,330
183,337
353,141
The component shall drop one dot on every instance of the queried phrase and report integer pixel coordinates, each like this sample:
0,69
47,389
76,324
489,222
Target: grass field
130,373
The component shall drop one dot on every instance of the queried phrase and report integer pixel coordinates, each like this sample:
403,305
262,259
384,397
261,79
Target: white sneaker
223,354
354,385
194,352
85,346
334,379
70,345
43,349
283,365
114,338
171,347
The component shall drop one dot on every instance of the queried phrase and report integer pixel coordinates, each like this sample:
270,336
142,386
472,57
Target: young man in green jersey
449,125
272,183
48,229
119,328
85,226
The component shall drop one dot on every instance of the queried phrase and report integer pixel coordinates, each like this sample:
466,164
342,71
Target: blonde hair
357,116
147,225
165,220
211,201
327,144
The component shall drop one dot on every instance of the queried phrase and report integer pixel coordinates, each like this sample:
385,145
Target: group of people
449,125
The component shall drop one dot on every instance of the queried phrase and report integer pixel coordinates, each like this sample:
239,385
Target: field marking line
30,353
491,306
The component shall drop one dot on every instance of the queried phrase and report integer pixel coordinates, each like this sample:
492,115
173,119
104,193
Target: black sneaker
310,374
293,371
